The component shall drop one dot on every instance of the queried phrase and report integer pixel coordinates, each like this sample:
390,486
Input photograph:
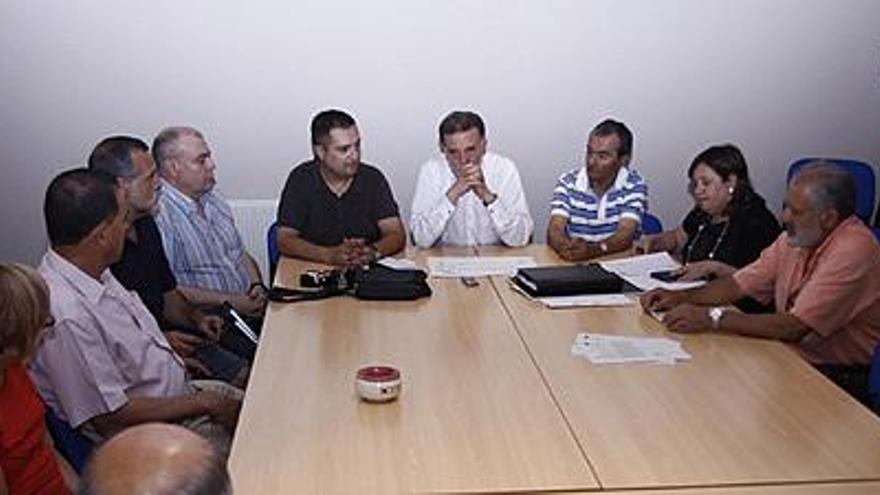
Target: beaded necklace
718,241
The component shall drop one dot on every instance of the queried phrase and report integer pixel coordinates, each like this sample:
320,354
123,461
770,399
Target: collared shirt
469,222
204,250
834,289
594,218
104,348
325,219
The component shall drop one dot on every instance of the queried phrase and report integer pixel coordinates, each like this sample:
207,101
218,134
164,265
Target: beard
802,238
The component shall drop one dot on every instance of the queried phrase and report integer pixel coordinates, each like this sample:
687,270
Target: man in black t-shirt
335,209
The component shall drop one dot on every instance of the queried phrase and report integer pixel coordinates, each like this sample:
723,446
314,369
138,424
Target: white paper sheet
637,269
473,266
642,264
587,301
616,349
398,263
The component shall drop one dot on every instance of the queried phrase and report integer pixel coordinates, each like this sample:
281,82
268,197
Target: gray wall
782,78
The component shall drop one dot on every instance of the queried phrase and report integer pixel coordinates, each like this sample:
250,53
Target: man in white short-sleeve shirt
104,363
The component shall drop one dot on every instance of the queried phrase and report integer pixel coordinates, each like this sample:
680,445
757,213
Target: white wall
781,78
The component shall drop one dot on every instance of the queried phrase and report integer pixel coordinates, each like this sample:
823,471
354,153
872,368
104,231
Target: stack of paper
610,349
474,266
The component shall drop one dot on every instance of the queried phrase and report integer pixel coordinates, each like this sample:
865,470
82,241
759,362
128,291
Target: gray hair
165,144
828,186
112,156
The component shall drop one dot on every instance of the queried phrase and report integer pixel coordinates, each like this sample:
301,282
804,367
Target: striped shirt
204,251
594,218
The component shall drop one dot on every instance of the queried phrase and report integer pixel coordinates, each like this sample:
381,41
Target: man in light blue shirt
597,209
201,242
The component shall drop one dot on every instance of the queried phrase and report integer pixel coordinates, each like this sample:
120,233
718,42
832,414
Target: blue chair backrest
651,224
874,379
72,444
274,254
863,174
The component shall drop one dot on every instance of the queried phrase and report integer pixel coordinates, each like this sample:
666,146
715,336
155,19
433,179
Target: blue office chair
72,444
874,380
862,173
651,224
272,246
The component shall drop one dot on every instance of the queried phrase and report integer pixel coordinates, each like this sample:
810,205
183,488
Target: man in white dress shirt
469,196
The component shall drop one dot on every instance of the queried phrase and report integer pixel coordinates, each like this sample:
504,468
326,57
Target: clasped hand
353,252
470,177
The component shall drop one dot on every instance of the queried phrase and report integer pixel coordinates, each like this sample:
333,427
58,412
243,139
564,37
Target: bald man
159,459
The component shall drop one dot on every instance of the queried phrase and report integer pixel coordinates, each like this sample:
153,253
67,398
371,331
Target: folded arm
575,249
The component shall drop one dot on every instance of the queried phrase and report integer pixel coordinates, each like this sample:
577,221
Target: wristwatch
715,314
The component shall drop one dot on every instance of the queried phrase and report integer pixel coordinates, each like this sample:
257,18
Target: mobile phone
666,275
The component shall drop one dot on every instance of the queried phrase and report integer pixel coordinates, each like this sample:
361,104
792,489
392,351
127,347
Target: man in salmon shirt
823,273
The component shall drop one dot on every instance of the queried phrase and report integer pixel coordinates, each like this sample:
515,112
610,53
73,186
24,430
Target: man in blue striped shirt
201,242
597,209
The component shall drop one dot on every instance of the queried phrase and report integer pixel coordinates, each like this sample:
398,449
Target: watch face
715,315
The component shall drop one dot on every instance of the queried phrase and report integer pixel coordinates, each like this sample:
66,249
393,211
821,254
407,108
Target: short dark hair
461,121
726,160
113,156
610,126
830,186
328,120
76,202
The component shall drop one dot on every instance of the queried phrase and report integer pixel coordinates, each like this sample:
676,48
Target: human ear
829,218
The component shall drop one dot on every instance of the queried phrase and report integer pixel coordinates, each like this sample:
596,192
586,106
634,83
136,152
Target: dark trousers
233,339
852,379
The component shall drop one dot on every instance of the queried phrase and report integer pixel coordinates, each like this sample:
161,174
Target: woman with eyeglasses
28,462
729,225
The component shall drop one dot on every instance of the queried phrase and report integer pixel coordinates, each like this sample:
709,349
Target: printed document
474,266
637,271
612,349
587,301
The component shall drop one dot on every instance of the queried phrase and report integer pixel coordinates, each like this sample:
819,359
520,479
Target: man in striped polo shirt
597,209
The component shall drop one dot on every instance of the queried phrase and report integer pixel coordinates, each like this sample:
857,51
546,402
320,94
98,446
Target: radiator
253,218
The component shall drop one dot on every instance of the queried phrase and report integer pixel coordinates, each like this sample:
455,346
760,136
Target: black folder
568,280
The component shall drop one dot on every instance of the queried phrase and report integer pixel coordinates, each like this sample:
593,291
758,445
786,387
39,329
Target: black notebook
568,280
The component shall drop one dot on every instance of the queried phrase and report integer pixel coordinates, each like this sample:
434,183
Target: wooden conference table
493,401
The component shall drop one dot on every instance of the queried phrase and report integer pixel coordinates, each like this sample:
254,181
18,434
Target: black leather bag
374,283
380,283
